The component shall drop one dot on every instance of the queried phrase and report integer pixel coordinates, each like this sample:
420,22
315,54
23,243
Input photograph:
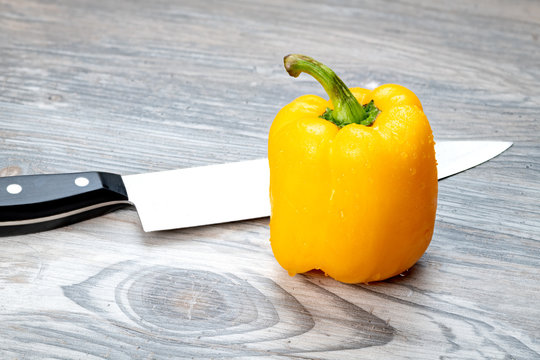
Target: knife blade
176,198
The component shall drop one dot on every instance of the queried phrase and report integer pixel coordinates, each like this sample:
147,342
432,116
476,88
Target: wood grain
138,86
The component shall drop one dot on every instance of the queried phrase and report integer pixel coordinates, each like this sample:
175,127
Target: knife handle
32,203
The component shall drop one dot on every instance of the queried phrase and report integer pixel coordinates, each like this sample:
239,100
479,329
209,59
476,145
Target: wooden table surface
139,86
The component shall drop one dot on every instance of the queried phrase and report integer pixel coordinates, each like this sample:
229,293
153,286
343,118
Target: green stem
347,109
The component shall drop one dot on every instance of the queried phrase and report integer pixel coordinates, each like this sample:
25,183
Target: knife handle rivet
14,188
81,181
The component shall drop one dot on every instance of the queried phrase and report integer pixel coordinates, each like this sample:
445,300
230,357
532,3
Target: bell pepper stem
347,109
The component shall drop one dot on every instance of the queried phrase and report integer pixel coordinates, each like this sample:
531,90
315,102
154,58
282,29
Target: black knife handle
33,203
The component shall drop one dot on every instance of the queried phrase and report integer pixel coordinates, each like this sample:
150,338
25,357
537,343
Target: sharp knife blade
456,156
200,195
238,191
176,198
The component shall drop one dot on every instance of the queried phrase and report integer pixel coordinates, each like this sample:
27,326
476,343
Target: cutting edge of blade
496,148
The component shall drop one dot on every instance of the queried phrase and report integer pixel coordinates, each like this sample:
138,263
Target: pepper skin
355,201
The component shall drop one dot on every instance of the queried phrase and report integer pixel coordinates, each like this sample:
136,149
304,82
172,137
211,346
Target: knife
176,198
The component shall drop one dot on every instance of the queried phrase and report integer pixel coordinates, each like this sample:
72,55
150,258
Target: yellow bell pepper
353,180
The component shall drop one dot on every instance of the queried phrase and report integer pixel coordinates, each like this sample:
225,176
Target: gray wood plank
137,86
